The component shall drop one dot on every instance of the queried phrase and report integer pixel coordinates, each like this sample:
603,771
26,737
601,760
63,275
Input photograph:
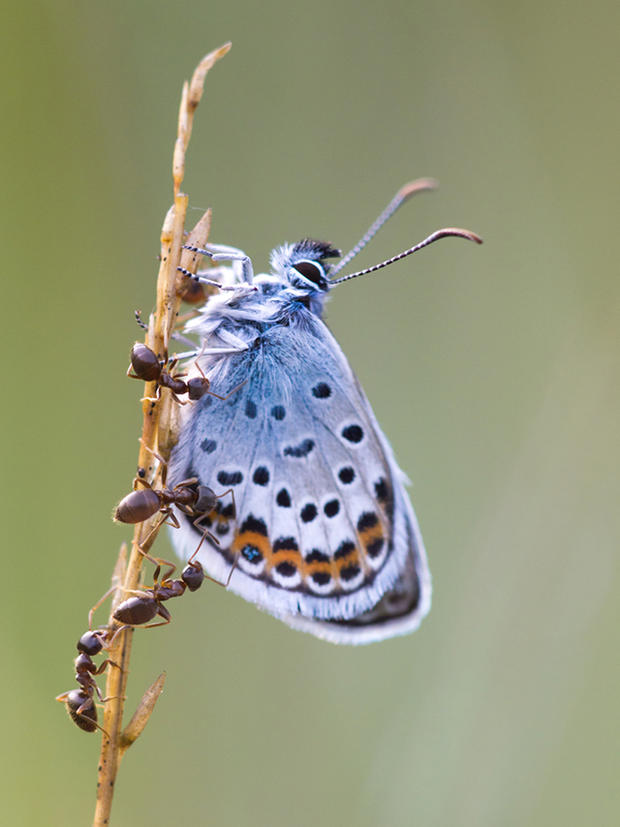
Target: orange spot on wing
287,555
368,536
313,568
351,559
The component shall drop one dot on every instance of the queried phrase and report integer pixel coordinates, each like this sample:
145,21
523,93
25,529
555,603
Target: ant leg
153,453
206,533
228,395
167,518
103,665
117,633
232,495
162,612
159,458
168,574
184,483
179,401
89,721
110,591
173,520
144,482
230,573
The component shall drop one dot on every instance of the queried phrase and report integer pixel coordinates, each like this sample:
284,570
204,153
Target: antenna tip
418,185
474,237
458,232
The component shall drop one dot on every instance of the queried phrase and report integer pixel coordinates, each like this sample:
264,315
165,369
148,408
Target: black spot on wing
286,569
229,477
381,490
373,549
283,498
308,512
316,556
228,511
301,450
322,390
346,547
208,445
368,520
346,475
353,433
288,543
331,508
349,572
261,476
254,524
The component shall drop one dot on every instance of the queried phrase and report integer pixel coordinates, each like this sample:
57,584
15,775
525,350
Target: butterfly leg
241,263
222,252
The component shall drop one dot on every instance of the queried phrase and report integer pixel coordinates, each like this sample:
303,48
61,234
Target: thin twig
158,435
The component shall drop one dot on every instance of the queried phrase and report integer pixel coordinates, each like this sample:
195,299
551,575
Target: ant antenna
447,232
403,194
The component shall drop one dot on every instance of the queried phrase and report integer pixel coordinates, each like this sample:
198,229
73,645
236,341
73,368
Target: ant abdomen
138,506
136,610
145,363
81,709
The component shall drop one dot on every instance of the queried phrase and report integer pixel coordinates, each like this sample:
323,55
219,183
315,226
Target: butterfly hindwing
323,530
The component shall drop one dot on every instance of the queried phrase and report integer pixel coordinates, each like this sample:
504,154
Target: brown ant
193,499
135,611
147,366
146,604
80,702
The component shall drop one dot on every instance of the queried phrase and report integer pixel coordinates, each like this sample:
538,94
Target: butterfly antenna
447,232
403,194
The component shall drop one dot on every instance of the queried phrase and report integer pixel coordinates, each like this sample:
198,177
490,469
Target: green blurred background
493,370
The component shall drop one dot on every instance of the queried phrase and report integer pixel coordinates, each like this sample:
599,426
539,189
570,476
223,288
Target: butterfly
319,530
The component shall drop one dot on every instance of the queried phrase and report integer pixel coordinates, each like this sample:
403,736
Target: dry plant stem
158,434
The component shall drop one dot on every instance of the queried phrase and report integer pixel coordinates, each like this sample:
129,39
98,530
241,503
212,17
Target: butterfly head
302,265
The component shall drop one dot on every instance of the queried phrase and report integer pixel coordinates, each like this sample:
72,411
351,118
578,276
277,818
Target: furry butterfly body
323,536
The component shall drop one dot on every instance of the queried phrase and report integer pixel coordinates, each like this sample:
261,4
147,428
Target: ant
135,611
146,604
193,499
80,702
148,367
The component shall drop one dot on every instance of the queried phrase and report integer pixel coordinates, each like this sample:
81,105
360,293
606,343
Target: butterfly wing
322,533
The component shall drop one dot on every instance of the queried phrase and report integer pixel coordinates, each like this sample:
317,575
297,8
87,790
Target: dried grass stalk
158,435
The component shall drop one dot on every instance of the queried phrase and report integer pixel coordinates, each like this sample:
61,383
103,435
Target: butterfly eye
313,272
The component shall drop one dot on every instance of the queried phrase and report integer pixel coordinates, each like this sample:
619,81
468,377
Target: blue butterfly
320,531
